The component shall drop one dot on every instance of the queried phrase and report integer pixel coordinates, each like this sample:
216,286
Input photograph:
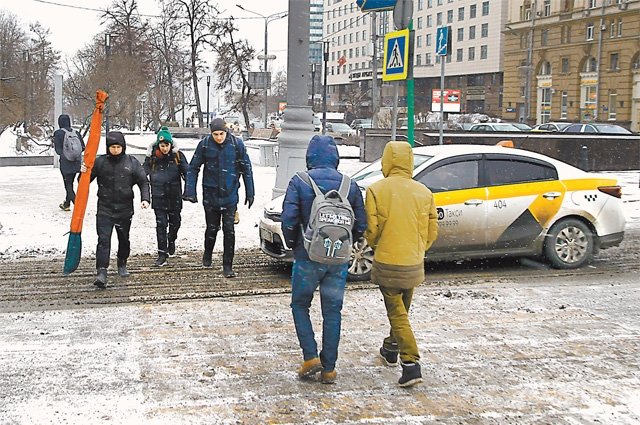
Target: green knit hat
164,136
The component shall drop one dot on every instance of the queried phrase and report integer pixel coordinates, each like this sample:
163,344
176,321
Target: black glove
248,202
193,198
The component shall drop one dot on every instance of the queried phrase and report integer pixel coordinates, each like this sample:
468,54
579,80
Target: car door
460,203
523,194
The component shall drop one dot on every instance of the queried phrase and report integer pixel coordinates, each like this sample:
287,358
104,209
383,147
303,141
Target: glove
193,198
248,202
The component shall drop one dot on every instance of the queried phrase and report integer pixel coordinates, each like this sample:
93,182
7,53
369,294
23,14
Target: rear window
503,171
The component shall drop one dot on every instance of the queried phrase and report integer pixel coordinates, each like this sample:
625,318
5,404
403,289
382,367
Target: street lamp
267,19
313,85
325,57
208,84
107,52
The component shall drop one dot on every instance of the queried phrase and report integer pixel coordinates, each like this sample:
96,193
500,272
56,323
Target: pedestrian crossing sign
396,56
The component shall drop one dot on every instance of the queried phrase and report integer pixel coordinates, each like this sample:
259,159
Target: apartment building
573,60
474,65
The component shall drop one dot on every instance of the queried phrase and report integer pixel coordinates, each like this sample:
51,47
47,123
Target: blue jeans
306,277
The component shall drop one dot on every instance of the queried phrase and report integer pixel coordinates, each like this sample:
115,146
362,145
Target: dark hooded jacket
66,166
116,177
166,173
322,164
223,165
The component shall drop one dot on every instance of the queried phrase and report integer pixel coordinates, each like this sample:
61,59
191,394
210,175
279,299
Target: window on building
350,53
484,49
460,34
472,32
612,29
449,16
418,60
472,54
545,68
419,41
420,4
565,65
589,32
564,105
439,2
547,7
429,21
449,57
613,62
472,11
428,40
544,37
590,65
439,18
589,103
593,4
429,3
484,30
545,105
485,8
619,27
613,100
461,14
459,55
427,58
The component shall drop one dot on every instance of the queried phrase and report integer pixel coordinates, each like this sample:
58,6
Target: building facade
474,64
573,60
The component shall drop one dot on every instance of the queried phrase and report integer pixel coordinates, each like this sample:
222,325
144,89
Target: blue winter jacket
322,164
223,165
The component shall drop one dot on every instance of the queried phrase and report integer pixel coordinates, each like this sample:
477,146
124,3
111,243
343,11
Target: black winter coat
116,178
166,173
66,166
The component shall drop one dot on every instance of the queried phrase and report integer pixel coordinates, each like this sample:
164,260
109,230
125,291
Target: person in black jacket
166,166
68,169
117,173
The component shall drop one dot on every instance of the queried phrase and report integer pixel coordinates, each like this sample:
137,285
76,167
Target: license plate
266,235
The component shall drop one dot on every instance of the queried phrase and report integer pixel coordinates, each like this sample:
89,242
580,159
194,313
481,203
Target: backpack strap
345,185
305,177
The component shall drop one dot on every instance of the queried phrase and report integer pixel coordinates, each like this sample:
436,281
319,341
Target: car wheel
361,262
569,244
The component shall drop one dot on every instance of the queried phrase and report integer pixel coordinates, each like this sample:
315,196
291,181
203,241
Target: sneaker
411,374
236,219
122,268
310,367
101,278
65,207
206,258
171,249
327,377
162,260
390,357
228,272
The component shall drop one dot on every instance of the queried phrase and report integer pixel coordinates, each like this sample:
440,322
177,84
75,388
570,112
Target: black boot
206,258
171,249
411,374
101,278
122,268
162,259
227,271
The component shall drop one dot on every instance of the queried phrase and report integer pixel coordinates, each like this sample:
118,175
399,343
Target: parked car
495,202
595,128
359,123
522,126
340,130
551,126
317,124
494,127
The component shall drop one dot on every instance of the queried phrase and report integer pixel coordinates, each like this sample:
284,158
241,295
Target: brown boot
310,367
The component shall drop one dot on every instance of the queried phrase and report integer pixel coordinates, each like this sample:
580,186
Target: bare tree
12,75
232,69
43,64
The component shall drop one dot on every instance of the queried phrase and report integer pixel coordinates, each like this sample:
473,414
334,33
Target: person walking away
69,145
224,158
402,226
322,162
116,173
166,167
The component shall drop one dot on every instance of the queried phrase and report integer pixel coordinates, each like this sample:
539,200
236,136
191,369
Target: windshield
339,127
373,172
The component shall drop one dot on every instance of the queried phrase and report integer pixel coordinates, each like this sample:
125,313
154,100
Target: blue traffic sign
396,56
373,5
443,38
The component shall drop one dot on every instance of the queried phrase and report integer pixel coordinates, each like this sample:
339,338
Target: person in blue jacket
225,159
68,169
322,163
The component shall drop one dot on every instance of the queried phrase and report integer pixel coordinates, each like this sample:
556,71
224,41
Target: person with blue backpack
225,159
69,145
316,218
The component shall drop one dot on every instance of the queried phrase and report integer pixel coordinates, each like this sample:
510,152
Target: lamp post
267,19
325,57
208,84
107,52
26,57
313,85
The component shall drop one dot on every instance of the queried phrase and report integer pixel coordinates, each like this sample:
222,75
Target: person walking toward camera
69,145
166,167
116,173
225,159
402,226
323,213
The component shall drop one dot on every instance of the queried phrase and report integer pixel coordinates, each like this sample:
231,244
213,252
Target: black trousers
213,218
164,219
68,187
105,226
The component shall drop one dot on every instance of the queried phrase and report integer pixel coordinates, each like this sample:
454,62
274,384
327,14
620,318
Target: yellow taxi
495,201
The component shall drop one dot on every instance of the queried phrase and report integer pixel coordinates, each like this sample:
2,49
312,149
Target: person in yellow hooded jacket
402,226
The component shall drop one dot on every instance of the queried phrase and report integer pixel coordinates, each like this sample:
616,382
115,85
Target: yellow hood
397,160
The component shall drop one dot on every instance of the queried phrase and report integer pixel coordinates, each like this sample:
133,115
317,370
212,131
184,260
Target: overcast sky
73,27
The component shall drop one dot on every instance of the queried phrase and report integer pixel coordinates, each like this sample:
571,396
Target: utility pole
529,67
107,53
374,70
602,30
208,84
325,57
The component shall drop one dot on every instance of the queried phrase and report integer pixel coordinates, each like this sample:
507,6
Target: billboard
451,100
